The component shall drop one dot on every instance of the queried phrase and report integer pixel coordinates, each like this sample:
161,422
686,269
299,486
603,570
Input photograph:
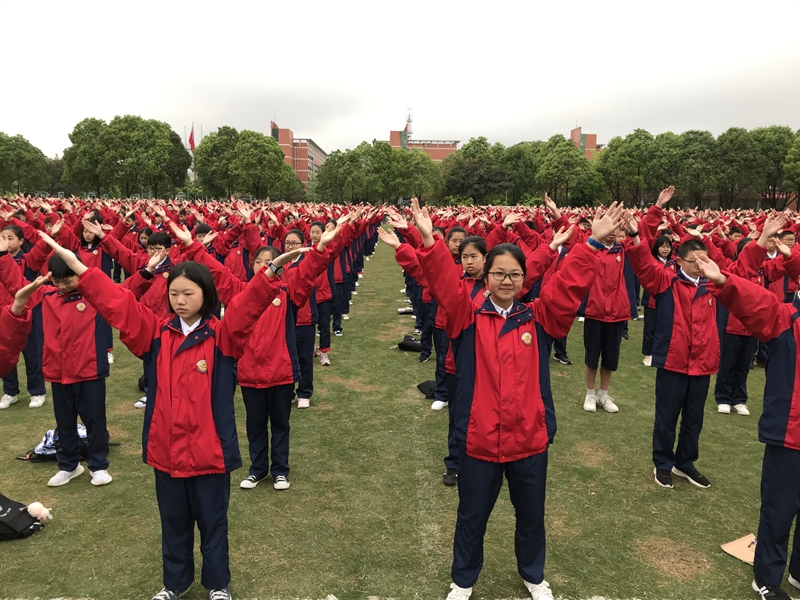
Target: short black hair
473,240
741,244
146,230
159,238
787,232
296,232
274,251
202,228
501,249
319,224
454,230
440,230
58,267
201,275
95,218
734,230
660,241
334,221
691,246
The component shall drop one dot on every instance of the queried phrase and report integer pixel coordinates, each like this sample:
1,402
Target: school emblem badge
276,302
619,258
527,338
202,366
80,307
166,274
94,252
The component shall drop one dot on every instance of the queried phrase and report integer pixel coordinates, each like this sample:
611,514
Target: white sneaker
358,284
324,360
360,276
647,361
63,477
346,317
110,358
794,582
740,409
7,401
438,405
303,403
607,402
590,403
281,483
100,477
403,291
355,294
725,409
141,402
581,319
459,593
351,303
36,401
539,591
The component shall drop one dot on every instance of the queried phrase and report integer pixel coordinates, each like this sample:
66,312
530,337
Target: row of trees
132,155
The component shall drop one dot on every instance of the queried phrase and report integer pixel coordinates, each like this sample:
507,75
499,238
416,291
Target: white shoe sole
4,405
76,473
282,486
679,473
36,403
98,483
794,582
667,487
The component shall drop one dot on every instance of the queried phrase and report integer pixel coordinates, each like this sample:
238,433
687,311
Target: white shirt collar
503,312
696,282
773,255
187,329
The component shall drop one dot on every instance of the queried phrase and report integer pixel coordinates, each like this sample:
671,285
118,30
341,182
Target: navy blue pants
337,306
426,339
479,484
268,413
347,292
182,502
324,326
343,296
415,295
649,335
305,356
86,399
780,505
442,343
734,366
32,353
684,396
560,347
451,460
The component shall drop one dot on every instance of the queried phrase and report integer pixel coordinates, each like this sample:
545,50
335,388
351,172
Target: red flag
191,140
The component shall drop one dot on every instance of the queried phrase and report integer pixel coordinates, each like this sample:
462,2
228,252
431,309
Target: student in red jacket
776,324
505,416
189,434
15,325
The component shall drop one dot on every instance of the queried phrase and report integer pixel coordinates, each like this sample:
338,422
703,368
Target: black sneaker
166,594
424,357
252,481
564,360
625,336
663,477
450,477
694,477
338,333
771,592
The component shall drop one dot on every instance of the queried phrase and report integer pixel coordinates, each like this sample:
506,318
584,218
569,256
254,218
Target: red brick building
302,154
585,142
438,150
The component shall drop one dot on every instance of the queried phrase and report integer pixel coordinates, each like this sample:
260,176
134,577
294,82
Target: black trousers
649,334
426,339
86,399
451,460
182,502
268,413
734,367
479,484
441,343
32,353
780,506
305,356
684,396
324,310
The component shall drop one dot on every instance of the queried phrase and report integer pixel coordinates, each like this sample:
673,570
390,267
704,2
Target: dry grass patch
672,559
590,454
393,332
355,384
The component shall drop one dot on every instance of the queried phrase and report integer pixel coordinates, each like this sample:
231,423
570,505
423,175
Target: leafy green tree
477,171
734,164
522,161
23,167
259,167
665,168
563,167
133,152
58,184
422,178
698,149
176,169
82,158
331,180
791,169
773,144
625,164
213,160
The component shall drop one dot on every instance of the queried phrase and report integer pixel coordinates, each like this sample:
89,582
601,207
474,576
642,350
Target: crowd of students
210,295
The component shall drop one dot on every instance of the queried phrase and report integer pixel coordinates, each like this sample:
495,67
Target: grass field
367,514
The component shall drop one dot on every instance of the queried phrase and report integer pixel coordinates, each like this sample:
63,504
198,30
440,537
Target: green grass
367,514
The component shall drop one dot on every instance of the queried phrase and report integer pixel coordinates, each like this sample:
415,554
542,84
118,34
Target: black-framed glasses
501,277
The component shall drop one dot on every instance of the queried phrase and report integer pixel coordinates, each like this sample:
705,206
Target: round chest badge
94,252
527,338
166,274
619,258
202,366
80,307
276,302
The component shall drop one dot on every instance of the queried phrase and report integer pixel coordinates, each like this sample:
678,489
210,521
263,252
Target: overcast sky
343,72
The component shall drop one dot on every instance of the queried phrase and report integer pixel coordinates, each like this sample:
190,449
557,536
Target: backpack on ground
15,522
410,344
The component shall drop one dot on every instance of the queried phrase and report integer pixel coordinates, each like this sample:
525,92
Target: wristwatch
633,234
277,270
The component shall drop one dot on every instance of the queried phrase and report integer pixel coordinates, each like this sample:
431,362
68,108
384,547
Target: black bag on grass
410,344
428,388
15,522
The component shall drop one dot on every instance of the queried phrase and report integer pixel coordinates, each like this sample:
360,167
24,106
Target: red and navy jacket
189,424
14,330
612,297
504,409
776,323
748,266
270,356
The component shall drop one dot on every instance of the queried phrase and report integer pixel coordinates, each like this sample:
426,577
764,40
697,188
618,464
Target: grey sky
342,72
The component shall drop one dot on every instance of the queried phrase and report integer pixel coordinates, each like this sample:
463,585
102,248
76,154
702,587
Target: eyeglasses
501,277
292,244
155,249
